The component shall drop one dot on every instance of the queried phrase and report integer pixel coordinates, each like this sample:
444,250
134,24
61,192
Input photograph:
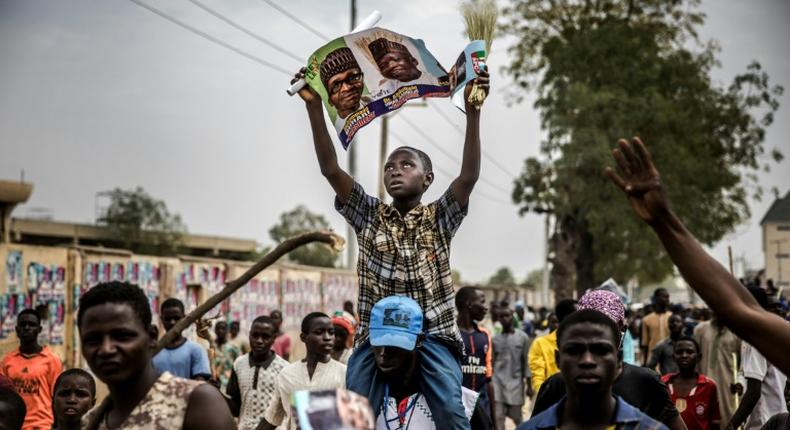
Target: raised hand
482,81
639,179
306,93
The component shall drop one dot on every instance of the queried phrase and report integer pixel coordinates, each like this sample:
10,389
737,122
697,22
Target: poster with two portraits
364,75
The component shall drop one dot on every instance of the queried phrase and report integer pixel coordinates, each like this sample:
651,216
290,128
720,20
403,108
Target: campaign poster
364,75
466,68
332,410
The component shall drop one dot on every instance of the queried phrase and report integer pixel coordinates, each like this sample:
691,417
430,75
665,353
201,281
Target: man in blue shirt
181,357
588,359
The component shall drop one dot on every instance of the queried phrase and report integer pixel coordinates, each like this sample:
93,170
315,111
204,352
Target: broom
480,18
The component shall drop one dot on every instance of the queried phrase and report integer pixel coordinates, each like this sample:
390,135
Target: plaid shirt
408,256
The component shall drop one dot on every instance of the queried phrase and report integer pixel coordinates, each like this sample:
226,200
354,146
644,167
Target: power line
247,31
212,38
459,130
295,19
449,155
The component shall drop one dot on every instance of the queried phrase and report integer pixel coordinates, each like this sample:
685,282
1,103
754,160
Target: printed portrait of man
343,80
394,60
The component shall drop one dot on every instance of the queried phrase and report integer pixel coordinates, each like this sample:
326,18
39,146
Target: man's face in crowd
321,337
675,324
262,337
278,318
115,343
587,357
341,337
662,299
477,306
345,91
685,354
170,316
553,322
398,65
394,362
234,329
27,328
221,330
506,318
405,176
73,399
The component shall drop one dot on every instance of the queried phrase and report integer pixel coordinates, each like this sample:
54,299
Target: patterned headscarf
605,302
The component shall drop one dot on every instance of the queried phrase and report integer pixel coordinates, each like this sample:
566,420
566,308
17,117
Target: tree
503,276
301,220
534,279
605,69
142,223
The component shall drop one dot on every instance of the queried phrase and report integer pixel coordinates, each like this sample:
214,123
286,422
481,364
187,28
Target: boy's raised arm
340,181
730,300
463,185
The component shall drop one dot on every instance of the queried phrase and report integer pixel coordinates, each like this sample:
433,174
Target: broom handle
327,237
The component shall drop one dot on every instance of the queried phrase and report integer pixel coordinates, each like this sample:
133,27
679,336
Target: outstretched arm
730,300
340,181
470,165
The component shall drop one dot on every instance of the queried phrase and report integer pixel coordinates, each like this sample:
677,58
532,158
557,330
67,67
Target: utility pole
352,166
545,279
385,121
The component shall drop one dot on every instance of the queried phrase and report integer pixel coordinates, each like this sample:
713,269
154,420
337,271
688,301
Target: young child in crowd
317,371
251,384
75,395
694,394
404,249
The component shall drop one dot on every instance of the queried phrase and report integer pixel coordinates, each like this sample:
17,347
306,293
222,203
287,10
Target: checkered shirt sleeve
359,210
449,213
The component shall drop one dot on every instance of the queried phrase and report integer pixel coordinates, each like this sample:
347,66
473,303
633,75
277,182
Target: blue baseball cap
395,321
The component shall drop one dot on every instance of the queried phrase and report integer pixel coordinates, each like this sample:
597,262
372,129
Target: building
776,241
47,265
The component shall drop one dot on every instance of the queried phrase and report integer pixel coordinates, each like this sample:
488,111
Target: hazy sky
103,93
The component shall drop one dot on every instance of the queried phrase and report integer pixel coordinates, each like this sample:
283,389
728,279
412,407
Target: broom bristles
480,17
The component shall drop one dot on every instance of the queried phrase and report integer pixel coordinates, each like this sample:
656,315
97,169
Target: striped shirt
406,255
294,377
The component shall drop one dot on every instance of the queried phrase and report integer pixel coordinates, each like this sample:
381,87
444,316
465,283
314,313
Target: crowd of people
419,353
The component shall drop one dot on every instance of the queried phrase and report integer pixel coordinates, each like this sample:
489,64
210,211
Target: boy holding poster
404,249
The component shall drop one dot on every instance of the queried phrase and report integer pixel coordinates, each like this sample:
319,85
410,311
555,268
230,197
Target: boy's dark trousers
440,381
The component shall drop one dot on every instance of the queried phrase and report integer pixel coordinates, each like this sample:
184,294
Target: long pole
545,294
352,166
385,121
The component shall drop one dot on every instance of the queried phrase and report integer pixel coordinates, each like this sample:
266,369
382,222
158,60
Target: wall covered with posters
34,277
52,279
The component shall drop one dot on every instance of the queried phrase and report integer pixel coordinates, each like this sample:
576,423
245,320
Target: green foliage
142,223
534,279
503,276
456,275
610,69
301,220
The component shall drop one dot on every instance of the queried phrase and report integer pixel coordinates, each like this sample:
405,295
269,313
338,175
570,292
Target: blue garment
626,417
187,361
440,381
629,354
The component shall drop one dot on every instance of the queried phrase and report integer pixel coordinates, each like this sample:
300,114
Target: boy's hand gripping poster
364,75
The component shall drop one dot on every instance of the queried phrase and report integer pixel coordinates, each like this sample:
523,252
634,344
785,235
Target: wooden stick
333,240
729,252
